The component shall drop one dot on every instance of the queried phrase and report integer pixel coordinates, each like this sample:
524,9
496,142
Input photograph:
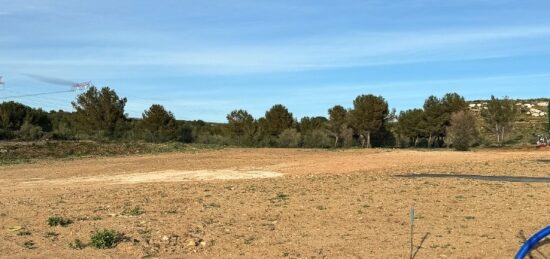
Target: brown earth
274,203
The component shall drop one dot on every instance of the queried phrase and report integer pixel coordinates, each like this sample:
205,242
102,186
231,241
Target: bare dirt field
277,203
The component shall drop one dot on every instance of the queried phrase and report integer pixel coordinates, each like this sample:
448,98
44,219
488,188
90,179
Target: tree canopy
159,124
277,120
100,112
499,117
241,124
368,116
338,123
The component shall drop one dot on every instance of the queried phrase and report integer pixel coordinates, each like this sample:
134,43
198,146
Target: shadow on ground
420,245
495,178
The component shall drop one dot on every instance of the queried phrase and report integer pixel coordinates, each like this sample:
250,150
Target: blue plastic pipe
532,242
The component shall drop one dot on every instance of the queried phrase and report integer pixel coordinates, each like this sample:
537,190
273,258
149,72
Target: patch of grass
77,244
23,232
105,239
51,235
59,221
321,207
16,161
249,240
171,211
469,217
23,153
281,197
136,211
85,218
29,244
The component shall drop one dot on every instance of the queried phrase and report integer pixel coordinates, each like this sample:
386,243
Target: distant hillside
532,120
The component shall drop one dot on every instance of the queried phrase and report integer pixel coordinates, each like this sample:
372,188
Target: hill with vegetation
532,120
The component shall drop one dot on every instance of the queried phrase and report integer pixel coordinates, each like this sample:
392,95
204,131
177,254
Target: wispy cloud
307,53
51,80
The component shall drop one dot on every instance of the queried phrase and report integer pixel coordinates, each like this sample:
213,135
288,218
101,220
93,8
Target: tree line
99,115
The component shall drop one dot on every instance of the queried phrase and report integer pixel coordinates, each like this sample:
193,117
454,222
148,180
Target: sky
201,59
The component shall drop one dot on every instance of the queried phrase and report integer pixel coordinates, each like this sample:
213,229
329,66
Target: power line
37,94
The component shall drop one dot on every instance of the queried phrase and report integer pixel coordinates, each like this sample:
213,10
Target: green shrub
206,138
281,197
133,212
106,238
463,130
77,244
289,138
58,221
24,232
29,244
30,132
317,139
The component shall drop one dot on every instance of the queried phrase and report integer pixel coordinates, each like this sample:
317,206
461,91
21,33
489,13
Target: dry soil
276,203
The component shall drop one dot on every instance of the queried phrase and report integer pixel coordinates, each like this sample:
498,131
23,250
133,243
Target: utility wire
37,94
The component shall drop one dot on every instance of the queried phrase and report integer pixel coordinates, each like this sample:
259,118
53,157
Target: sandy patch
160,176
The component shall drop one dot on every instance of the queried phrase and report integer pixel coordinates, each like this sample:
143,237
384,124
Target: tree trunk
336,141
498,134
502,137
368,139
430,141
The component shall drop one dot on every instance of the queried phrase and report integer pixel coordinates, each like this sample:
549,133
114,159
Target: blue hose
532,242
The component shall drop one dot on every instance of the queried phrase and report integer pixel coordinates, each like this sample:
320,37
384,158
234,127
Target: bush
317,139
104,239
206,138
29,244
6,134
463,131
289,138
29,132
58,221
133,212
77,244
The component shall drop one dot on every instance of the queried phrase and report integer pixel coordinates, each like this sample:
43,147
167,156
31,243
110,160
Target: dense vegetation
99,115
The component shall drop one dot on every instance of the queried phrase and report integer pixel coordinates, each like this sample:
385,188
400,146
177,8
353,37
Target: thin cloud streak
314,53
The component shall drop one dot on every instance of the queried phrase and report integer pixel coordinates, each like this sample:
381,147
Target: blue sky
202,59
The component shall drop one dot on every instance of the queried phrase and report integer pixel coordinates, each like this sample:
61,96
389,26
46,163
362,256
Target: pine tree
159,124
368,116
241,124
100,112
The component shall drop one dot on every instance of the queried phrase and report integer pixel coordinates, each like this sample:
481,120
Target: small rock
16,228
202,243
165,238
191,242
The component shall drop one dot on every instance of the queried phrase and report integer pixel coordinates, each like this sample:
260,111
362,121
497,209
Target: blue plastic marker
412,229
532,242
